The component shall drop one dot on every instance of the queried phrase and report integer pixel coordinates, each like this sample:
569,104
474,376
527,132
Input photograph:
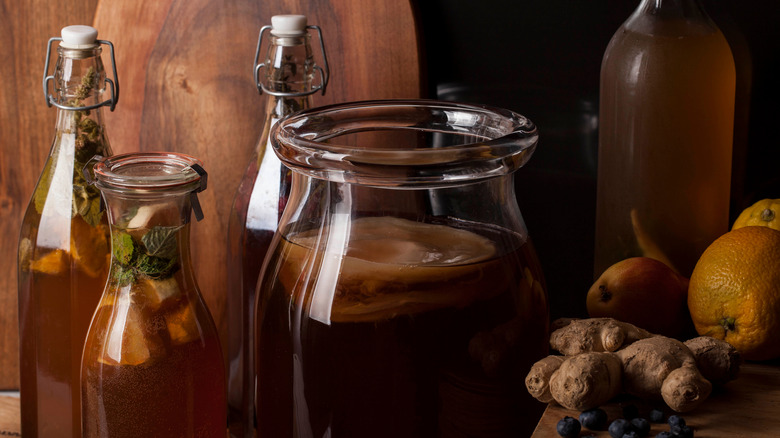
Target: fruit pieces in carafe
133,342
146,297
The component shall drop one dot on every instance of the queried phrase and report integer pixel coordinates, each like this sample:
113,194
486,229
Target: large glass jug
402,295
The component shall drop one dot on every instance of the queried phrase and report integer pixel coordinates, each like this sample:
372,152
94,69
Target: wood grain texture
187,86
26,132
185,71
9,416
746,407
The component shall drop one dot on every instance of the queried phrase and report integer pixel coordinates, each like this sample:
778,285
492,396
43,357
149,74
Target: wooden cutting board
185,70
746,407
26,132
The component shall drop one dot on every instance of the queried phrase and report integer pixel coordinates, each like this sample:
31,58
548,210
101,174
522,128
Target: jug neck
681,8
672,18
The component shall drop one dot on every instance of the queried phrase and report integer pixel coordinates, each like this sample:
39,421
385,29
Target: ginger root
587,380
643,364
594,334
685,388
538,379
717,360
663,368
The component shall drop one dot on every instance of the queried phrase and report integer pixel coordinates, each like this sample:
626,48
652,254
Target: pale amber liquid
416,331
56,303
665,142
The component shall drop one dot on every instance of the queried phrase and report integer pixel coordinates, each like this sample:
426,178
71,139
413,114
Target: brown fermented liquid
170,411
665,143
420,330
60,287
153,366
253,220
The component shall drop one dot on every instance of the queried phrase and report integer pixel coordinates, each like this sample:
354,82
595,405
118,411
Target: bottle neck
683,7
671,17
80,79
289,77
79,76
289,66
279,107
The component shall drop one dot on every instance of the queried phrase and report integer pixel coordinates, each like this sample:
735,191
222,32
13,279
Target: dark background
542,58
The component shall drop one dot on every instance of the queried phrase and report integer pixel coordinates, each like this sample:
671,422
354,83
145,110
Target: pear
644,292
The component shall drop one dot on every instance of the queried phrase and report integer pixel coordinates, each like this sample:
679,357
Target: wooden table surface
9,416
746,407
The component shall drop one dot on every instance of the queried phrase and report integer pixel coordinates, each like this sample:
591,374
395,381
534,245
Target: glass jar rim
150,171
496,142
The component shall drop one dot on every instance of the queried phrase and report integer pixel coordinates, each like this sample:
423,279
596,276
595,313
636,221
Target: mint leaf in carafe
162,242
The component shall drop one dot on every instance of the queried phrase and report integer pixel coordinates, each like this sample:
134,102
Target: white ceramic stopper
79,37
288,25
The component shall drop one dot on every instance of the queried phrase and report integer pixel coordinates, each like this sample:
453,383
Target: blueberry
619,427
676,420
594,419
568,427
657,416
682,432
630,412
630,434
664,435
641,426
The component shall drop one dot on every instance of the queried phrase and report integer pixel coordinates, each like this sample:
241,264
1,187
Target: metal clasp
114,84
88,169
323,73
196,208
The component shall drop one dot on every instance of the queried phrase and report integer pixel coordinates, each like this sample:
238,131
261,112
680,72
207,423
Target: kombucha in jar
402,296
665,137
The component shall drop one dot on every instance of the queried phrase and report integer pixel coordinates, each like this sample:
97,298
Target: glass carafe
402,295
152,363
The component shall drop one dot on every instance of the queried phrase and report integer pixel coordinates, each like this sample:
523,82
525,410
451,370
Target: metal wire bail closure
324,73
113,84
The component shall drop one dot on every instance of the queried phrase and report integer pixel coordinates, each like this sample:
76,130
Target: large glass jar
402,295
152,363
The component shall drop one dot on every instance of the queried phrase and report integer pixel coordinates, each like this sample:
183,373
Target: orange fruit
53,262
89,247
764,213
734,291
